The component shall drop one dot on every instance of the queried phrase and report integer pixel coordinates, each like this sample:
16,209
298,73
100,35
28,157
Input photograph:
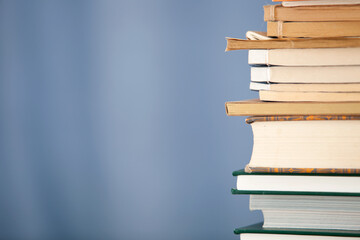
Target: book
291,43
308,211
313,29
255,107
306,142
296,184
304,171
312,14
306,57
296,3
257,232
305,203
311,219
301,87
292,96
308,74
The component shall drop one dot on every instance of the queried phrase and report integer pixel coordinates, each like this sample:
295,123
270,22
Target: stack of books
304,172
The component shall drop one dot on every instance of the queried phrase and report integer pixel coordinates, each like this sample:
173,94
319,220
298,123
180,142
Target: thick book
297,3
313,29
301,87
256,107
312,14
297,184
306,142
308,211
257,232
306,57
291,96
285,43
309,74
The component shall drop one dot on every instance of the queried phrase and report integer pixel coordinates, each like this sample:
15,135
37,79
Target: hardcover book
256,107
308,211
257,232
297,184
306,142
313,29
312,14
291,43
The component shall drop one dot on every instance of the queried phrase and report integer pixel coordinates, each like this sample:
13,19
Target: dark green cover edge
242,172
257,228
236,191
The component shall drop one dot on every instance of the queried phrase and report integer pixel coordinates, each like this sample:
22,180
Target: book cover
242,172
248,192
312,13
256,107
257,228
291,43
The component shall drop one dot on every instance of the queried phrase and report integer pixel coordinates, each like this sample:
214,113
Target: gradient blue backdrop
113,123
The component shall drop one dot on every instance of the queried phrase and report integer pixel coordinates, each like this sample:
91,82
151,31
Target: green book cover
236,191
257,228
242,172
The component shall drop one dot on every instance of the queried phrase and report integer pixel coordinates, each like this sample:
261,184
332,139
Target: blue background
113,123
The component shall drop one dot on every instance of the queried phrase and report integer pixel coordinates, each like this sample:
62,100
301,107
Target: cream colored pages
306,57
306,144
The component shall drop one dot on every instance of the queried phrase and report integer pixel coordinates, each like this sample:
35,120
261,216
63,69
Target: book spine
270,12
249,169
